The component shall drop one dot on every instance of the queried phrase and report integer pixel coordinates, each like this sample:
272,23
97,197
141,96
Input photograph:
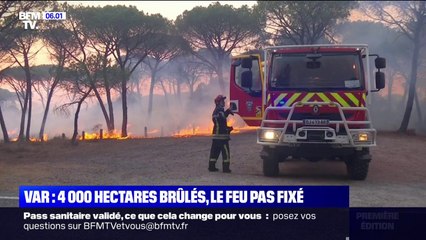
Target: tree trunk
412,86
151,88
98,97
165,94
101,104
30,107
404,97
77,112
49,99
124,102
46,111
111,126
21,136
3,128
30,97
151,91
418,109
111,122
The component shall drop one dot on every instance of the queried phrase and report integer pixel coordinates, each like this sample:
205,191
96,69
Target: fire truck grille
316,135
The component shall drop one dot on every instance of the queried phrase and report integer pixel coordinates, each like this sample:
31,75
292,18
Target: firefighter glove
229,111
230,129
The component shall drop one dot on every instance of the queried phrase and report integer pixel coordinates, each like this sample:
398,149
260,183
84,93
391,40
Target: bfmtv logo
29,19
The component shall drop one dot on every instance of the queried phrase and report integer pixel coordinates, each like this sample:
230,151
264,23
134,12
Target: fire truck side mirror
246,79
380,80
246,63
380,62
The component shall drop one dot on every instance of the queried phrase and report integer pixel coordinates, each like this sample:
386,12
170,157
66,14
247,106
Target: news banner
202,212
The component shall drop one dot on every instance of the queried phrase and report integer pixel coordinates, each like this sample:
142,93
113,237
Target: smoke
172,113
388,106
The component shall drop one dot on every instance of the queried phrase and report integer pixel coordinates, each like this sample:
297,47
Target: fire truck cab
309,101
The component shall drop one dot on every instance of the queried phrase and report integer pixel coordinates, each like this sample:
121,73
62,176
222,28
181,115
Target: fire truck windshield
316,71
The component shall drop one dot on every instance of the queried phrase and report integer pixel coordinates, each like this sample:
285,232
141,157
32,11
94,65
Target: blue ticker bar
184,196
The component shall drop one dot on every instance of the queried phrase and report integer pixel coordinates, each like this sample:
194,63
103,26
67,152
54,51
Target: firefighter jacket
220,129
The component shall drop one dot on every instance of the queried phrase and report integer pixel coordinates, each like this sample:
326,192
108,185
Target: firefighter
221,131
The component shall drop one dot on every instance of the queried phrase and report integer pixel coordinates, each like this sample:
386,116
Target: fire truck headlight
269,135
363,137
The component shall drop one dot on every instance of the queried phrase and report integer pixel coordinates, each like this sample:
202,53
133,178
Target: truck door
246,101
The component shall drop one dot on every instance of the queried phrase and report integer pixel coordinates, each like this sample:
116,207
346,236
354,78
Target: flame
242,129
33,139
207,131
105,135
193,131
188,131
44,139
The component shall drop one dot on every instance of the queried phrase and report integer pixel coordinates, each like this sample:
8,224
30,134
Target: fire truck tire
357,165
270,162
270,167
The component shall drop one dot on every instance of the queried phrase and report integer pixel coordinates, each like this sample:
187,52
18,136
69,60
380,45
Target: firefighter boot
212,166
226,167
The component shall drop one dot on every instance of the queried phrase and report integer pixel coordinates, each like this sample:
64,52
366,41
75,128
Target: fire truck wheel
270,167
357,165
270,162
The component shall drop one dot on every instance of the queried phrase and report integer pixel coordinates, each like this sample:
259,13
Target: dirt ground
397,176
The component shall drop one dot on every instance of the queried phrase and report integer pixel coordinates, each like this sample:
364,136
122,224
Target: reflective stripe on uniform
213,160
227,154
221,136
217,125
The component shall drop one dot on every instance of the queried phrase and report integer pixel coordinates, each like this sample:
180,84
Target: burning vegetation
189,131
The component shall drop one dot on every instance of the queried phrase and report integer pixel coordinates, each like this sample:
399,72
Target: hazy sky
168,9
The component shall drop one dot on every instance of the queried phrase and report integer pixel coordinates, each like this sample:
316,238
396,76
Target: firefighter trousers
220,146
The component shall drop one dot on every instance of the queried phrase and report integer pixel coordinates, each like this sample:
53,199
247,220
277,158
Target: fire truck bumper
317,135
343,135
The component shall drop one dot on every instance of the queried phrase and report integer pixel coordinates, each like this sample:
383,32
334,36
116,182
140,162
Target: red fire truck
310,101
